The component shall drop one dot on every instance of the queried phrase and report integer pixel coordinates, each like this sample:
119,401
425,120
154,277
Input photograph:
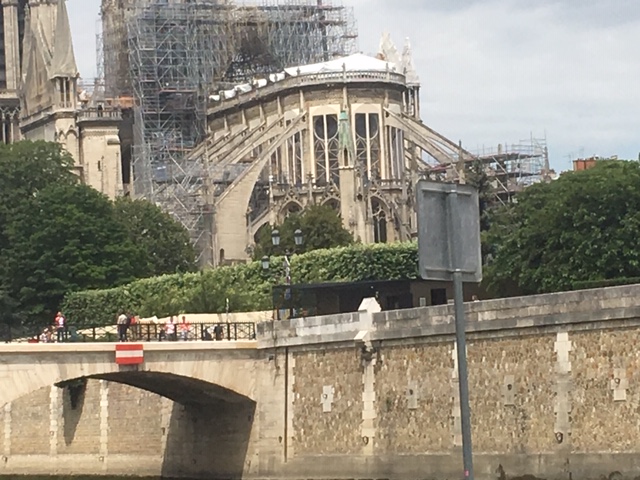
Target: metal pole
463,382
287,273
461,343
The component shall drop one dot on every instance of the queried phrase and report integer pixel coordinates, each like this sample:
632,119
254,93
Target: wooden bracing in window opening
326,148
367,130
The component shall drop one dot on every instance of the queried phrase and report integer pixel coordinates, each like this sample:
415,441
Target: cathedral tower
49,104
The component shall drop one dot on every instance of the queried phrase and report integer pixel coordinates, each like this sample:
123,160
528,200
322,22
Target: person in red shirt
184,329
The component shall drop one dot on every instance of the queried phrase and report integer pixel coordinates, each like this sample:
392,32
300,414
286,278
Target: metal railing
141,332
99,113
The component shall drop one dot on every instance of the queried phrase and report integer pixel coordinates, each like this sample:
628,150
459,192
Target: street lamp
265,263
286,263
275,238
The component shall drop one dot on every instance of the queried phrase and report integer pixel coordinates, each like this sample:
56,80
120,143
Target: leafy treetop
583,226
165,242
57,236
321,227
63,239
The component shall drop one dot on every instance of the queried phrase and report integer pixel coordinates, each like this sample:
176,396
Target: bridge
554,383
185,372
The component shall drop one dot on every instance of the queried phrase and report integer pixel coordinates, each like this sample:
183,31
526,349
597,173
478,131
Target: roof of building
387,60
50,37
63,62
357,62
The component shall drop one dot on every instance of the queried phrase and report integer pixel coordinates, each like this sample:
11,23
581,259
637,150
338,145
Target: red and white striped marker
129,354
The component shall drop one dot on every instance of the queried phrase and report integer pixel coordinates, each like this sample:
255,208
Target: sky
500,71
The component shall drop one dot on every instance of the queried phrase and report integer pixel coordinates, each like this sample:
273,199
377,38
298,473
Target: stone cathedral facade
346,133
39,97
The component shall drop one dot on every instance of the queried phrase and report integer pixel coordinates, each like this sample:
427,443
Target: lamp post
286,263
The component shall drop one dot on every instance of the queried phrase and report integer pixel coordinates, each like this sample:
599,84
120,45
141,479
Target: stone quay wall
554,384
554,389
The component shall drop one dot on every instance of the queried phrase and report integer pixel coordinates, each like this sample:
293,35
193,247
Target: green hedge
587,284
246,286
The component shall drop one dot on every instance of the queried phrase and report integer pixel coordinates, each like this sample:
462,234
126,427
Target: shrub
247,287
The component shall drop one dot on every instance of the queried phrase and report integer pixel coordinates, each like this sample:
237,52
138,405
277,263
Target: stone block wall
78,423
511,380
134,421
554,390
327,397
30,433
606,391
414,399
511,385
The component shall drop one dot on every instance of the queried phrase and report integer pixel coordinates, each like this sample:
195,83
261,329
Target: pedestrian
184,329
133,332
170,329
122,327
61,324
218,332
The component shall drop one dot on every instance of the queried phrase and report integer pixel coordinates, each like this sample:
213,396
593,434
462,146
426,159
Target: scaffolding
168,58
513,167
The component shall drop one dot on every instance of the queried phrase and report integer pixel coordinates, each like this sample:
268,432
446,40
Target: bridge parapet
305,330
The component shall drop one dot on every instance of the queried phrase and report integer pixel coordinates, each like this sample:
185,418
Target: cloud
497,71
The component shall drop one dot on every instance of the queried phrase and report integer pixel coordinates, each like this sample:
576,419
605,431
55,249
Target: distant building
232,116
11,53
587,163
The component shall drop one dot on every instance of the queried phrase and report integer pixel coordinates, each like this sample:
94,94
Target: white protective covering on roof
353,63
357,62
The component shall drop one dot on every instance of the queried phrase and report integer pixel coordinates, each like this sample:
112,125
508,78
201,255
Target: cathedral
232,136
39,98
345,133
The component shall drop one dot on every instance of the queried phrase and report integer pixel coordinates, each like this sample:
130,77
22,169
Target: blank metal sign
448,231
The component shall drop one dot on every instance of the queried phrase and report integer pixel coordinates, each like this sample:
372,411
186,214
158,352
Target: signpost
449,250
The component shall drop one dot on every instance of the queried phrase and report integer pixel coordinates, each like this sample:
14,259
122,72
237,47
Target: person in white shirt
123,321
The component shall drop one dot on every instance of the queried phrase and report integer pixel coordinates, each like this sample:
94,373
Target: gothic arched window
326,148
367,127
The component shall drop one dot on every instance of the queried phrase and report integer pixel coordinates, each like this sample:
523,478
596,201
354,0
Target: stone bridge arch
172,370
73,405
178,388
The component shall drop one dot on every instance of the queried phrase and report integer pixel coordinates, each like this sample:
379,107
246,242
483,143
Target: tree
65,238
583,226
321,227
25,169
165,242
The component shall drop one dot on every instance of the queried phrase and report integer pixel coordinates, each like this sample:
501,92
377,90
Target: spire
407,64
63,62
345,140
